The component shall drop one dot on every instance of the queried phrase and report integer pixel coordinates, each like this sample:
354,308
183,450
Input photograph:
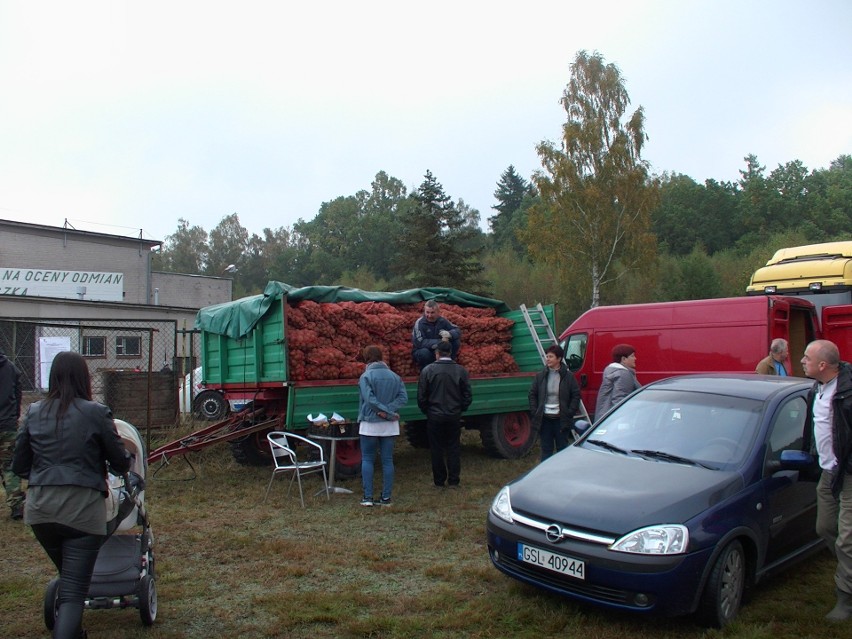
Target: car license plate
551,561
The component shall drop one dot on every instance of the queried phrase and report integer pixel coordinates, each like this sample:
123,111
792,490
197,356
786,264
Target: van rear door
837,327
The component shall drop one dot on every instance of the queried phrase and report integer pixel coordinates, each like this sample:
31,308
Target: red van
727,335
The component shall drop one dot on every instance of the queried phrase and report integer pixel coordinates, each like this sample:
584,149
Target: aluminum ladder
536,320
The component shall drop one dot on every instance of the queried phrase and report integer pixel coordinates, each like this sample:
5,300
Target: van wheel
210,405
148,600
508,435
51,603
723,594
416,434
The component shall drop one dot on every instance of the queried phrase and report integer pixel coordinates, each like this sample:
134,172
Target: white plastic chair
283,446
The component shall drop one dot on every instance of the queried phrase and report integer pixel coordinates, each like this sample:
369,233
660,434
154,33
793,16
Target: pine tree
437,246
510,193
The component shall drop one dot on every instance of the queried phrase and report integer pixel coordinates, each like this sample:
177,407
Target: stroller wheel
51,603
148,600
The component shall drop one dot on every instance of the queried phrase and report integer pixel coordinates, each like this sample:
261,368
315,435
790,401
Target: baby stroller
124,572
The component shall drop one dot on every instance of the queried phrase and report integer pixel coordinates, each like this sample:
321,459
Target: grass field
230,565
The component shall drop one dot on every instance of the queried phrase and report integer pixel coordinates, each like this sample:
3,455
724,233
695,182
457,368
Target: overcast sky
121,116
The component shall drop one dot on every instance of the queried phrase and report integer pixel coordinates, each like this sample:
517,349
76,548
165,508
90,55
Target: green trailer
245,356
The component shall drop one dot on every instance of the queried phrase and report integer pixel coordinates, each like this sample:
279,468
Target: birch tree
593,216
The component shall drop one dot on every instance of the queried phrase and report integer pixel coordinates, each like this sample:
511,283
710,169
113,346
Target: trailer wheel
210,405
51,603
416,434
508,435
348,462
252,450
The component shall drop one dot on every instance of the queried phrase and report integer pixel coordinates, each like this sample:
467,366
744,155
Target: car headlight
665,539
501,506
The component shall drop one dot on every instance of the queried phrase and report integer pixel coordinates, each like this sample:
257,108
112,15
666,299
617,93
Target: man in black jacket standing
10,411
443,394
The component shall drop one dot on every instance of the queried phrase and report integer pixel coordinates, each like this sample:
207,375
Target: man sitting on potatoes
429,331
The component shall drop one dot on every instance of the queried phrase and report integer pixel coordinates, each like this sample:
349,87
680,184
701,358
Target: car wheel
148,600
508,435
723,594
210,405
51,603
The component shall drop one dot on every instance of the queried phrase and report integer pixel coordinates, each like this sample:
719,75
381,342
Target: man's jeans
834,524
369,445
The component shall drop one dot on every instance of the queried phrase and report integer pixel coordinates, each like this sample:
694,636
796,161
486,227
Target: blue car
682,497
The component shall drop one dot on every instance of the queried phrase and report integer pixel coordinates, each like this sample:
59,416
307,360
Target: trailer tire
348,462
508,435
416,434
252,450
210,405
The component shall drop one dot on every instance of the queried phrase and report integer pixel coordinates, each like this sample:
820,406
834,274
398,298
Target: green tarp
236,319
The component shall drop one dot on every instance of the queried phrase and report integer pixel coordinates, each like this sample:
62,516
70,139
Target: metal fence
137,367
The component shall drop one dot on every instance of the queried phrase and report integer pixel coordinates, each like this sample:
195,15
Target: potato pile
326,339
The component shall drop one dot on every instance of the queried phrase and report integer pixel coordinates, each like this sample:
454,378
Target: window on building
94,346
128,346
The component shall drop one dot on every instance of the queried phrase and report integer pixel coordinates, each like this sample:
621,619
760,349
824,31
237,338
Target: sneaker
384,502
366,502
17,512
453,486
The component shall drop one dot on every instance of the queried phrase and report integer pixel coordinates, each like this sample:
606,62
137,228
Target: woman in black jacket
554,399
62,448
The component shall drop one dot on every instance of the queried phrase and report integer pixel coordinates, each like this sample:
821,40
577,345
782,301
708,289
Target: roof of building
26,226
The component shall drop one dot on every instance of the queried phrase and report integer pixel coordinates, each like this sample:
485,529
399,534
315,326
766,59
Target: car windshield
702,429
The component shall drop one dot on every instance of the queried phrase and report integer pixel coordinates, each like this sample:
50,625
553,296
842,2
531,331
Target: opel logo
553,534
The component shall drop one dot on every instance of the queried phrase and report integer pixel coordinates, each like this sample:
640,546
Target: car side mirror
793,460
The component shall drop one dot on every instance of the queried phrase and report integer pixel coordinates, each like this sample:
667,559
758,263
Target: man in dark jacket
430,330
830,413
554,398
10,411
443,394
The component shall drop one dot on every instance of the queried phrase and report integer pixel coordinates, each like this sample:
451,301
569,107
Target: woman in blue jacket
382,395
62,448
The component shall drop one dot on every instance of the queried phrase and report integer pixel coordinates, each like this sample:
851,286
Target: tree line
592,226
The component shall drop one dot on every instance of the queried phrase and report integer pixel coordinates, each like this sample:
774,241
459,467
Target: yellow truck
820,273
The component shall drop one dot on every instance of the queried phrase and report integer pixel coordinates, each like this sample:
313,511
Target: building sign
76,285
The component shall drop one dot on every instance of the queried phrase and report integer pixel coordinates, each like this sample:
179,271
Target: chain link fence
137,367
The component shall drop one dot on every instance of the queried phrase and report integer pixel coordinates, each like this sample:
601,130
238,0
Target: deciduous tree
228,244
596,193
184,251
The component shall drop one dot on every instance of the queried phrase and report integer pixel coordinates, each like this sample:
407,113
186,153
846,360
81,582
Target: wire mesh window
94,346
126,346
